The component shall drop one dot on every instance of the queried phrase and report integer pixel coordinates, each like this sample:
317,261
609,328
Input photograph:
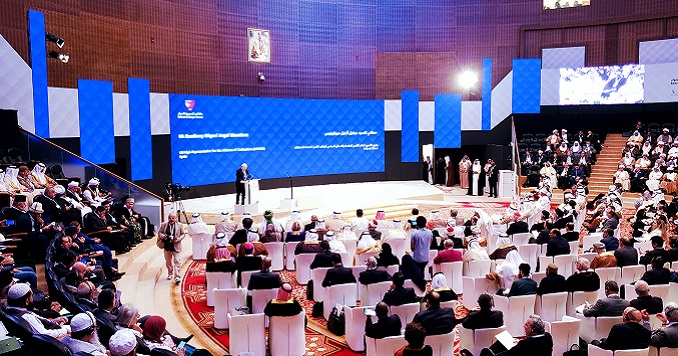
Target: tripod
178,208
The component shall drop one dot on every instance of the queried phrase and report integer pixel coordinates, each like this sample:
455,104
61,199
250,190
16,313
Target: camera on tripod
177,189
172,191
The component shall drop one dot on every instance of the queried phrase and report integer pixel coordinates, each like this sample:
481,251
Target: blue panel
141,151
447,132
409,133
301,137
95,105
487,94
38,55
526,86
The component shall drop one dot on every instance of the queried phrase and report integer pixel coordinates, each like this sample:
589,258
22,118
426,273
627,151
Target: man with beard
20,303
84,337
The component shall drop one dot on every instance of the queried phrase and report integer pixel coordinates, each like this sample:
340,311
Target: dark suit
264,280
539,345
657,276
338,275
571,236
553,283
400,296
612,305
626,256
611,243
240,176
484,319
239,237
105,314
523,286
247,263
583,281
657,252
384,327
665,337
323,259
517,227
374,276
562,222
653,305
557,246
437,320
627,336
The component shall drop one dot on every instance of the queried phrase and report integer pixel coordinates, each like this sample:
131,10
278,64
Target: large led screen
212,136
602,85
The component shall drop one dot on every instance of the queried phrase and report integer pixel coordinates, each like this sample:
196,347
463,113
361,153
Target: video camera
177,188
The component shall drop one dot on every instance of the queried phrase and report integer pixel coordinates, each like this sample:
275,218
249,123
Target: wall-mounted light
59,56
52,38
260,77
467,79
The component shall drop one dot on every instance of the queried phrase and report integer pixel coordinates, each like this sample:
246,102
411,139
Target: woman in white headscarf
439,285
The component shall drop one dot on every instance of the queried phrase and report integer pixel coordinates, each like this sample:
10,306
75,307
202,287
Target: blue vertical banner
409,132
487,94
38,57
95,106
526,86
447,132
140,145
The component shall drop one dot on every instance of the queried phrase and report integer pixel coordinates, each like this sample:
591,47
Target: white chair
673,292
217,280
392,269
276,253
443,344
453,272
246,334
386,346
357,270
201,243
590,239
593,328
344,294
476,340
661,291
355,327
371,294
410,284
565,333
607,274
516,308
350,248
260,298
429,266
289,255
587,255
551,307
521,238
576,299
226,300
574,247
664,351
317,276
398,246
303,266
361,259
406,312
245,278
597,351
477,268
529,254
636,352
287,335
630,274
452,304
538,276
474,286
545,261
345,259
565,264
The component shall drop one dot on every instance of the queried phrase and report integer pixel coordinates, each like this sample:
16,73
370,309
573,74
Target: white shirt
359,224
37,327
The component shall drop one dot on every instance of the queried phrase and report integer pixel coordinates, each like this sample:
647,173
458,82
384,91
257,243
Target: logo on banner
189,104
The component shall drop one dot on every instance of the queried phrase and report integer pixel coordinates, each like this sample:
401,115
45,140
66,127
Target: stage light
468,79
59,56
261,77
52,38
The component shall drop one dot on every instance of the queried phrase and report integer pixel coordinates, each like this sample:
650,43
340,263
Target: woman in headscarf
283,304
411,271
439,284
253,238
295,234
367,244
386,257
227,225
504,246
449,168
508,270
475,252
464,167
153,331
40,180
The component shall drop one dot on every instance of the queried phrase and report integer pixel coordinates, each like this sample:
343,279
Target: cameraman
170,235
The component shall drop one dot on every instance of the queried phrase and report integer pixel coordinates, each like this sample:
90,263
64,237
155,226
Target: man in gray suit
611,305
667,335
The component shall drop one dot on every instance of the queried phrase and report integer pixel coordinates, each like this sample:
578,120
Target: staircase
607,163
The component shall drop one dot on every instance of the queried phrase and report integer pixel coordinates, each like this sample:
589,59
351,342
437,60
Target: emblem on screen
190,104
190,114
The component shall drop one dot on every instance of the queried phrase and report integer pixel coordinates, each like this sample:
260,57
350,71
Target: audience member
439,285
626,255
611,305
434,319
628,335
552,282
338,274
603,258
667,335
415,335
398,294
557,245
372,274
385,326
583,279
283,304
84,336
646,302
483,317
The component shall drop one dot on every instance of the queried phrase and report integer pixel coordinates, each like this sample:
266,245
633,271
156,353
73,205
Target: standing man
492,177
421,243
170,235
241,176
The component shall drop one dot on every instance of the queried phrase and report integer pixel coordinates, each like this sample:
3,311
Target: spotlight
261,77
52,38
467,79
59,56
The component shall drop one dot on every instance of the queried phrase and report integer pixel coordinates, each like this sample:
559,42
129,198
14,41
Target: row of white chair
287,336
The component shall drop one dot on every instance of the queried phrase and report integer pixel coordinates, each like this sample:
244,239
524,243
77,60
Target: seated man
518,226
603,259
504,246
483,317
667,335
611,242
19,300
398,294
264,279
628,335
385,326
583,279
106,302
84,337
570,235
536,343
449,254
325,257
372,274
557,245
240,236
646,302
657,250
658,274
85,295
524,285
626,255
338,274
553,282
434,319
248,262
611,305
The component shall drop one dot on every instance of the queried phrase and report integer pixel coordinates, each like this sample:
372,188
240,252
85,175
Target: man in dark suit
484,317
583,280
553,282
385,326
557,245
518,226
325,257
657,251
667,336
372,274
561,221
434,319
240,236
627,336
398,294
570,235
338,274
264,279
241,175
524,285
626,255
611,305
646,302
658,274
611,242
536,343
106,303
249,262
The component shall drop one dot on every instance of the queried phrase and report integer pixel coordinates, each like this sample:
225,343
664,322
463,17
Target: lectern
251,198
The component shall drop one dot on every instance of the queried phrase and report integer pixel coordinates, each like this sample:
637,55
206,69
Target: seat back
246,334
245,278
538,276
476,340
276,253
303,267
604,324
565,264
529,254
406,312
576,299
574,247
398,246
373,293
474,286
40,344
386,346
664,351
516,308
442,345
392,269
287,336
225,300
607,274
201,243
590,239
453,272
545,261
521,238
631,274
597,351
476,268
17,326
410,284
565,333
636,352
344,294
317,276
106,330
355,327
551,307
260,298
289,255
217,280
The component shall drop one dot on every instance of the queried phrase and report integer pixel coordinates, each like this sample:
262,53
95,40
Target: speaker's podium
251,199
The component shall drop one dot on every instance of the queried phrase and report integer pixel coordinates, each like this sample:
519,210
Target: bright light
468,79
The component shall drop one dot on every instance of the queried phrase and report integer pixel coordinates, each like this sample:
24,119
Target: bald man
264,279
170,235
628,335
385,326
